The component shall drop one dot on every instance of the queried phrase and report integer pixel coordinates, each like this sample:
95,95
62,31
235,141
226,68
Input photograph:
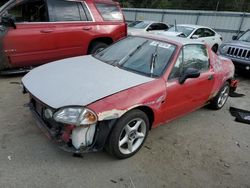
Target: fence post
135,15
197,18
162,17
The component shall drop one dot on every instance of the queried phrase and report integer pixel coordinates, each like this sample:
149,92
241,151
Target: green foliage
220,5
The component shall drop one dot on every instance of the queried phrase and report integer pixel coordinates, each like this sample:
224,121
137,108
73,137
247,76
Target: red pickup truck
34,32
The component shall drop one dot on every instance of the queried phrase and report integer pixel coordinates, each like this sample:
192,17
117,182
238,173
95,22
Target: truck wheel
221,98
96,47
128,135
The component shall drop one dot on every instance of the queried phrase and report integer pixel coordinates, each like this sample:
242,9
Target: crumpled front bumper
101,134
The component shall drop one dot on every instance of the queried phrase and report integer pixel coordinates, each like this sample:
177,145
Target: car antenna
175,25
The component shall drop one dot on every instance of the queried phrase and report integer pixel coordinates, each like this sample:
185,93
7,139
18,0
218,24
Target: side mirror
189,73
234,37
195,36
9,21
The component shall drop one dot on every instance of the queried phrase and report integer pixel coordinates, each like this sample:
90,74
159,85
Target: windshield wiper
153,60
245,40
124,60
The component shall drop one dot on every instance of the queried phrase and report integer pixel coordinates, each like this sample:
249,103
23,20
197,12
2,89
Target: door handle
47,31
210,77
86,28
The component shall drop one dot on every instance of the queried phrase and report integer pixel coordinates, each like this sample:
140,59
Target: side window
109,12
30,11
153,27
162,26
208,33
191,56
176,71
158,26
64,10
199,32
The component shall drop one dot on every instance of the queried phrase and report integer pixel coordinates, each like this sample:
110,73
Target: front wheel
221,98
128,135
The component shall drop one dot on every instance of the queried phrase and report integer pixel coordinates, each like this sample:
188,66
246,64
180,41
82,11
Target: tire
128,134
221,98
96,47
215,48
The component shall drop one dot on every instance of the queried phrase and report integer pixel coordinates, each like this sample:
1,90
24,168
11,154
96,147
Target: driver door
32,42
194,92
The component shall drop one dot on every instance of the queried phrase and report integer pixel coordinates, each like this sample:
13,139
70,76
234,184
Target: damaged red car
113,98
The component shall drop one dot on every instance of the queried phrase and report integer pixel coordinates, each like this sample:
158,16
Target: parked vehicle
34,32
140,27
113,98
197,32
238,51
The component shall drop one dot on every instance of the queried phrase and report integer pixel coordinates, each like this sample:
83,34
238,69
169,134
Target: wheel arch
233,83
149,112
215,46
106,40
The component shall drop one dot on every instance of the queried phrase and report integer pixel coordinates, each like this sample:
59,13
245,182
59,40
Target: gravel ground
203,149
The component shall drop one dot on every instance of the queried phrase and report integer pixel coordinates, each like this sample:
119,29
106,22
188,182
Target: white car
140,27
196,32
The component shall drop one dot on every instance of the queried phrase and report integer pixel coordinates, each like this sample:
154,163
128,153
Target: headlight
76,116
223,49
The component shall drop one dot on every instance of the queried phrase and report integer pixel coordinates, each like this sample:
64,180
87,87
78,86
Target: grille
39,109
238,52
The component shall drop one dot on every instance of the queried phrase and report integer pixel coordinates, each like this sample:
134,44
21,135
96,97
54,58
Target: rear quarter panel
223,70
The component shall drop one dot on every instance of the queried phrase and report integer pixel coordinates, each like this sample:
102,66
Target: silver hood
78,81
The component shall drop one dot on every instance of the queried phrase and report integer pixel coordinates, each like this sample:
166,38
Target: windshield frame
142,73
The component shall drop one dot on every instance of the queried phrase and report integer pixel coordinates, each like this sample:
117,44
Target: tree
221,5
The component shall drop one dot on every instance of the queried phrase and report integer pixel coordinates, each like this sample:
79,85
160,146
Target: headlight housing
223,49
75,116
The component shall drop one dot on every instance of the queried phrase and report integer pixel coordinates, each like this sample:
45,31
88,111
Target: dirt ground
203,149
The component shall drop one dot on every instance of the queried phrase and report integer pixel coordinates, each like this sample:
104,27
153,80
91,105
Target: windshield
245,37
137,54
138,25
183,29
6,5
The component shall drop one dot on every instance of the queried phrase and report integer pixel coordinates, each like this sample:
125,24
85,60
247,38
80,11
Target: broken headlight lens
75,116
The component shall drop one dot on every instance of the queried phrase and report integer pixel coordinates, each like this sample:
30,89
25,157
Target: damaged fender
117,105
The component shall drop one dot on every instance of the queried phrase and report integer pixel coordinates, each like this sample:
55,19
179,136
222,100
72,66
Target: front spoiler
102,132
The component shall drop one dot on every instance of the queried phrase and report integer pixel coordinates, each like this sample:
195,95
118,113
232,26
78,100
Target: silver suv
238,51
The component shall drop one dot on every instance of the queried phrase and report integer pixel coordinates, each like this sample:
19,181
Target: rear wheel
221,98
128,135
96,47
215,48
